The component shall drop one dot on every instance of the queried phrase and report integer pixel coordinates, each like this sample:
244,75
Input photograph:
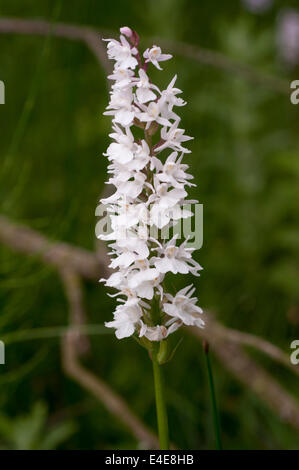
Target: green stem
160,404
213,398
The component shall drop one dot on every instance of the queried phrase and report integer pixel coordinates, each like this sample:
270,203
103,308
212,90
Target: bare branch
91,266
225,341
30,242
113,402
247,339
77,316
74,343
91,37
221,61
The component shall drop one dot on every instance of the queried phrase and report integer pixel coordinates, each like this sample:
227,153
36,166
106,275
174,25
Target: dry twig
222,62
218,332
74,344
75,33
28,241
222,339
113,402
91,38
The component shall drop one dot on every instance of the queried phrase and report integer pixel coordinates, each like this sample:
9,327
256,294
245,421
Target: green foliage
245,159
29,432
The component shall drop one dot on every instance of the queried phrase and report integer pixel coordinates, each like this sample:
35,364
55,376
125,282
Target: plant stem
213,398
160,404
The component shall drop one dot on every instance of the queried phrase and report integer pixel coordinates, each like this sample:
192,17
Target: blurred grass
245,161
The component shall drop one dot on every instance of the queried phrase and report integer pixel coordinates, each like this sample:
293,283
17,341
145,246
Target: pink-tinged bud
126,31
131,35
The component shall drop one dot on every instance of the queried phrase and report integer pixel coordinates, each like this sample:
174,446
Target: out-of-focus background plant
60,389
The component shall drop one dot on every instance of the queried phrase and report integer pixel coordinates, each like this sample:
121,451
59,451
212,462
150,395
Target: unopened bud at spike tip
126,31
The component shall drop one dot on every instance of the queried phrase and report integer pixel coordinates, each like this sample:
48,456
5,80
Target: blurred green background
245,158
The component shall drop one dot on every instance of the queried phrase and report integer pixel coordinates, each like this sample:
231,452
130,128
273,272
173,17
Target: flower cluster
150,193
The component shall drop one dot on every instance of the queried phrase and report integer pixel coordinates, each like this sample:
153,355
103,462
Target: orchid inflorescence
150,194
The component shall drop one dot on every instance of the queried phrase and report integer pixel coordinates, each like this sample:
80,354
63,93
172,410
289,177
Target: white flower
121,52
132,243
158,332
154,55
121,106
153,333
164,204
176,259
173,137
144,92
173,171
124,260
169,95
116,280
169,99
123,166
141,156
126,317
123,78
133,214
183,306
123,149
142,279
164,198
128,189
152,113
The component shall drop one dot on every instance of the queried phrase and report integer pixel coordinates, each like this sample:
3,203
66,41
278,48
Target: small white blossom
169,99
144,91
176,259
154,55
173,138
122,77
184,307
164,204
153,333
142,279
126,317
122,53
173,171
123,149
121,106
152,113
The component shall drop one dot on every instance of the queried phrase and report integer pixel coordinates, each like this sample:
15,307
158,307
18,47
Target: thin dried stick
91,37
221,61
113,402
28,241
75,33
247,339
86,264
74,344
77,317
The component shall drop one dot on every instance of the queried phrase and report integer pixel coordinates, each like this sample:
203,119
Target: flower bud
126,31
